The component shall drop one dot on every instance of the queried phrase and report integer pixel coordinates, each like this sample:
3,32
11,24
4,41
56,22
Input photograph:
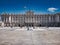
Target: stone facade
30,19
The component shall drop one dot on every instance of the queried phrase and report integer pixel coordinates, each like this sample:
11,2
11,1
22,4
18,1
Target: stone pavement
25,37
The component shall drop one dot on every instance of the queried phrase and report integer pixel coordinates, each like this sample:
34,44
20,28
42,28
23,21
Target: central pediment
30,13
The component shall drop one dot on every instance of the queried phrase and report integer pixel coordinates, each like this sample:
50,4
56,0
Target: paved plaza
37,36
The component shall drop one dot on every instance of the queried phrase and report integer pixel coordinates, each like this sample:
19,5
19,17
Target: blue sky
38,6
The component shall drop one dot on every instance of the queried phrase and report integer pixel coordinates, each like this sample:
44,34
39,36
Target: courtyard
37,36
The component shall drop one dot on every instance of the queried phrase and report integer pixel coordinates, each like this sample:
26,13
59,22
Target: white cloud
25,7
52,9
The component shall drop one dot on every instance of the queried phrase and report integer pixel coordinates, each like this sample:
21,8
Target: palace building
30,19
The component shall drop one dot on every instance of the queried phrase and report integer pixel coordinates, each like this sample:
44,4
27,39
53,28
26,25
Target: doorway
29,24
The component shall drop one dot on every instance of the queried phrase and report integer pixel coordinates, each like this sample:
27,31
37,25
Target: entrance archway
19,25
29,24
